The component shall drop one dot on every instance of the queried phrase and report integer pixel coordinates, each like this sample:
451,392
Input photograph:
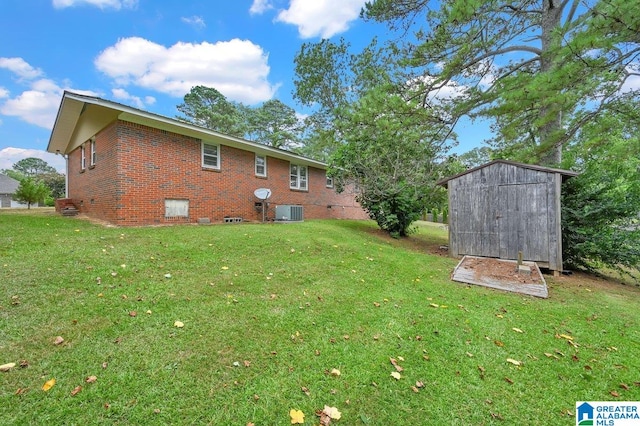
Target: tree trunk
551,115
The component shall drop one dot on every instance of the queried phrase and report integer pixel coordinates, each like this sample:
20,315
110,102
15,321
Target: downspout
66,173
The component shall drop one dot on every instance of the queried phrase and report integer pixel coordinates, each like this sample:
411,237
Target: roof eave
73,105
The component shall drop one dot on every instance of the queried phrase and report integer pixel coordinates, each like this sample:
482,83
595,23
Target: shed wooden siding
501,209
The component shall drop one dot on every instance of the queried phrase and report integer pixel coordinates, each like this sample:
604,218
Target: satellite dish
262,193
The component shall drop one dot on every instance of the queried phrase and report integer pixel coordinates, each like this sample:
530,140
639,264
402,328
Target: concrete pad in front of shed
501,274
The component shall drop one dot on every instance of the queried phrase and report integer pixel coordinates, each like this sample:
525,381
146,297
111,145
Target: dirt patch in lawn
501,271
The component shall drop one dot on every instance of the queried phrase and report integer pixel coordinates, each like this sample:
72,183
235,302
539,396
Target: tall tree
42,171
601,206
476,156
540,68
274,124
207,107
32,167
389,151
330,77
377,137
31,191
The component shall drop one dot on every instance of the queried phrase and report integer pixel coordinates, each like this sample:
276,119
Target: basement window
176,208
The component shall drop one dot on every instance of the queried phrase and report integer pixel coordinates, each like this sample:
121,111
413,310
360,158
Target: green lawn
287,303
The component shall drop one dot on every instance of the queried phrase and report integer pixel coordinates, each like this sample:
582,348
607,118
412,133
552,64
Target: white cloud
9,156
449,90
323,18
102,4
36,106
20,67
39,103
237,68
633,81
195,21
136,101
260,6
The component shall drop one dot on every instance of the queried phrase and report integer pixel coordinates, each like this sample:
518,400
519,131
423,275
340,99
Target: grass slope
287,304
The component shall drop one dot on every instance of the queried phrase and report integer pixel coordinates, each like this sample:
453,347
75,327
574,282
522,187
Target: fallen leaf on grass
7,367
564,336
133,314
332,412
508,380
434,305
514,362
297,416
91,379
76,390
48,384
178,324
335,372
614,394
306,391
415,389
517,330
498,343
624,386
398,368
396,375
58,340
246,363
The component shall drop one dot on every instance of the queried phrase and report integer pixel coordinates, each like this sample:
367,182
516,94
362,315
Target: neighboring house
502,208
8,187
131,167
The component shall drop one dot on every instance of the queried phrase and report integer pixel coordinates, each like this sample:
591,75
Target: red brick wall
138,167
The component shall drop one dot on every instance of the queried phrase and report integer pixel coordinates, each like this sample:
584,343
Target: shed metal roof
565,173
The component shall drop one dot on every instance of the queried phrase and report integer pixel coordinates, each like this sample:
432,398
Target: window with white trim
210,156
261,165
92,150
329,182
83,158
176,208
298,176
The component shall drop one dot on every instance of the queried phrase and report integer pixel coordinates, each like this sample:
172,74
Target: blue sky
149,53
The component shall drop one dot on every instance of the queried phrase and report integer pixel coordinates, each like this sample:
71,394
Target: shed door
475,222
523,221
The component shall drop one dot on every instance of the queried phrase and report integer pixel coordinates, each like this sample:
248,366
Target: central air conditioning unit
289,213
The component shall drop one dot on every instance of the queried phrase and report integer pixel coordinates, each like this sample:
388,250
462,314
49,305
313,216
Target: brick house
131,167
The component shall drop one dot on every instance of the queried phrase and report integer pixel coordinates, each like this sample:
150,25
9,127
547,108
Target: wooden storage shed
502,207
